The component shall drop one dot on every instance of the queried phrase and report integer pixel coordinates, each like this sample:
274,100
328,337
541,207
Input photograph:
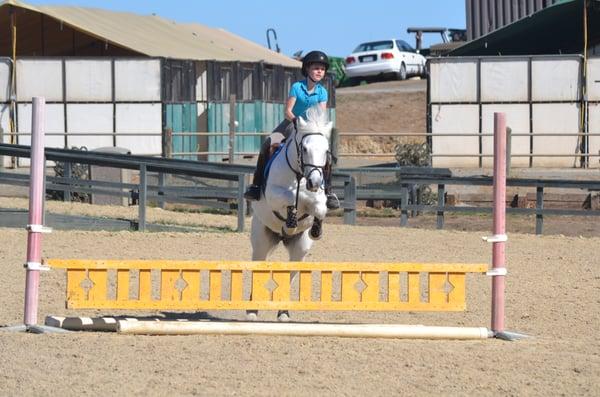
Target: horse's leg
297,248
262,239
316,206
282,199
263,243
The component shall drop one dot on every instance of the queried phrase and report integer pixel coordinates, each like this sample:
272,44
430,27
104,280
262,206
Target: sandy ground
553,294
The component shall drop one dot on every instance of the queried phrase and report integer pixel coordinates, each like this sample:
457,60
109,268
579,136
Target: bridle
300,161
301,164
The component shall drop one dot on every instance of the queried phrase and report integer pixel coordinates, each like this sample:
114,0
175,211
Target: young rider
303,94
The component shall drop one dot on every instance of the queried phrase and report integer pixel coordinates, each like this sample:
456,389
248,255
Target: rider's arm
323,97
288,108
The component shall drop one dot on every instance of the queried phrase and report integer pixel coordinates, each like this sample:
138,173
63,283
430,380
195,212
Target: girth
282,218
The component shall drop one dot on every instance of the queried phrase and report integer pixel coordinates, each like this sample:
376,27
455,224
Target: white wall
593,93
54,118
137,80
4,80
555,79
37,77
86,118
453,81
504,80
4,127
461,92
517,118
96,97
594,127
139,118
88,80
555,118
447,119
593,79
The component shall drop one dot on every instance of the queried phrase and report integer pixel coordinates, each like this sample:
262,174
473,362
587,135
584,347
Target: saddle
269,162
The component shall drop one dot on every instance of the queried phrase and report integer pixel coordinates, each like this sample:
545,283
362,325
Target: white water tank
110,174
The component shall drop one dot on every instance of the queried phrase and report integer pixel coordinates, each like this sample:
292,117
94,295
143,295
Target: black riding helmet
314,57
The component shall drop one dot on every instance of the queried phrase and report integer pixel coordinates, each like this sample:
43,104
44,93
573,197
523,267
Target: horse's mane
316,118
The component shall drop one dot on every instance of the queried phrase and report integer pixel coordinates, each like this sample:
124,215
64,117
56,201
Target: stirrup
292,218
252,193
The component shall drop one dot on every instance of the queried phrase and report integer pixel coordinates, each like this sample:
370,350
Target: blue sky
334,26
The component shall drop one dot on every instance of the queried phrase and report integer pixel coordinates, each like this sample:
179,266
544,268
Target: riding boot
332,201
253,191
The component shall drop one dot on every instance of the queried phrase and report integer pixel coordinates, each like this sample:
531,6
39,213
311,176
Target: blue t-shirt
304,100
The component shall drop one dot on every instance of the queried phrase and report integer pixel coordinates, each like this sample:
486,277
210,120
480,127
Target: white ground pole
300,329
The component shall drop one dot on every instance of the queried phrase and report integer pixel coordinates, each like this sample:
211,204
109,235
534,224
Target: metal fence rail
403,191
143,191
584,136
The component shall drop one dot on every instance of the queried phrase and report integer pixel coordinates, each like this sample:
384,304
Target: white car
384,58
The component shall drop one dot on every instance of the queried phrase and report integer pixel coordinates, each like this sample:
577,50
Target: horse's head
312,141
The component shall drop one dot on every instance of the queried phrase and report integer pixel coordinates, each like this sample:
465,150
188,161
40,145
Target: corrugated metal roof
158,37
486,16
557,29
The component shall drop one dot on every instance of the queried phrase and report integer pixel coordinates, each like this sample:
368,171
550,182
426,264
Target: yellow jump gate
247,285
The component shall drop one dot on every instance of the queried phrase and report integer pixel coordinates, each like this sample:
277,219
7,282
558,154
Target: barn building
126,80
536,61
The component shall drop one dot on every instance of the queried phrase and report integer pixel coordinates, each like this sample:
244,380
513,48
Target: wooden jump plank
268,266
271,285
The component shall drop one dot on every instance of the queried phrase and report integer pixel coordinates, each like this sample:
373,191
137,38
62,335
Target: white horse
295,184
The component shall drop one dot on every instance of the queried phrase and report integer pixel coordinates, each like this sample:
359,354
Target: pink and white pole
35,227
498,240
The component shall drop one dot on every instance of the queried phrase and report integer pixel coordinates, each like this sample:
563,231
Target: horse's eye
305,150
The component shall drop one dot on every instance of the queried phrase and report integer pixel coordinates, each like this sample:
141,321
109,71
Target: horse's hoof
316,230
283,316
252,315
332,203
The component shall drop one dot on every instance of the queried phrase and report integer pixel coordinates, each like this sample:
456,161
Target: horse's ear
301,121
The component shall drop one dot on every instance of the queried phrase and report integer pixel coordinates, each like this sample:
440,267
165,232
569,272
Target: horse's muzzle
314,179
312,186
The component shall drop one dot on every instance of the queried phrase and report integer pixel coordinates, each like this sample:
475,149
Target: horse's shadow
175,316
204,316
179,316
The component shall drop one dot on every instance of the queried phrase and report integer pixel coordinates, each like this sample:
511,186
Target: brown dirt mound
380,112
